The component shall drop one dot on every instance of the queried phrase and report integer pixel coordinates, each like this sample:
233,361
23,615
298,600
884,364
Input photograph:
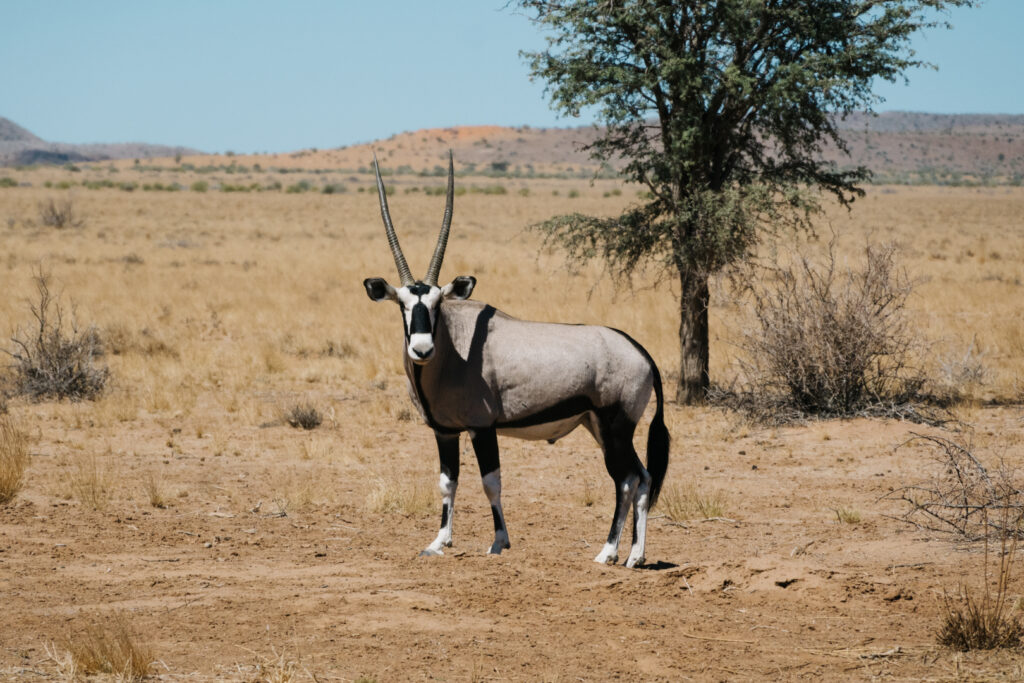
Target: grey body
492,370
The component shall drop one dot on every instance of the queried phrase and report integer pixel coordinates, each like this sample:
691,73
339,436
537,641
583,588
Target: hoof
606,559
430,552
632,562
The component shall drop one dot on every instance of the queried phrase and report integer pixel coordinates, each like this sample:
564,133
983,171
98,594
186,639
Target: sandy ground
224,586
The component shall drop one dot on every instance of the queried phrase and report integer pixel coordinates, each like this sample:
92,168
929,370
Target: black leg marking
485,445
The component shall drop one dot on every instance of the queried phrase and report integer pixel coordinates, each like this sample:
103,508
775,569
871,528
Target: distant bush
304,415
8,182
299,187
251,187
488,189
53,361
128,186
59,215
200,186
574,193
334,188
98,184
524,192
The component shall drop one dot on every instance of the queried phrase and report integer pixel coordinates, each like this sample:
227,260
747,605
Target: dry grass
153,487
13,458
990,620
683,502
90,481
111,647
410,498
847,515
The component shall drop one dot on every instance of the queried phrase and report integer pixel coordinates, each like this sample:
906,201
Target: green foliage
720,108
200,186
8,182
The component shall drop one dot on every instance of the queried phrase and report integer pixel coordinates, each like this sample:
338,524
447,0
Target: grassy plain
182,503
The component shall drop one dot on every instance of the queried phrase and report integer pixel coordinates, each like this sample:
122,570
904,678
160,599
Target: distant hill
896,146
19,147
12,132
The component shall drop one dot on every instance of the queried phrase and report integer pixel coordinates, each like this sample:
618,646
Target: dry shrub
304,415
13,459
59,215
991,621
960,374
680,503
831,341
410,498
56,359
964,497
111,648
968,500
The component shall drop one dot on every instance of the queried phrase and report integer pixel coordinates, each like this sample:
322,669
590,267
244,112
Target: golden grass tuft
13,458
153,487
680,503
847,515
90,482
988,622
409,498
112,648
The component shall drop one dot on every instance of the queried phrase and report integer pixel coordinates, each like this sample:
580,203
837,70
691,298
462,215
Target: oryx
471,368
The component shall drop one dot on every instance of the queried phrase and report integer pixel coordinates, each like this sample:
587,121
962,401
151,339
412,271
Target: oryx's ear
379,290
459,288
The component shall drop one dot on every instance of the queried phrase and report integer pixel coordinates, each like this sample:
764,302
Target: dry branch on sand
964,497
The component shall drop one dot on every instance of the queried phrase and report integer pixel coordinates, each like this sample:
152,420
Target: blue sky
255,75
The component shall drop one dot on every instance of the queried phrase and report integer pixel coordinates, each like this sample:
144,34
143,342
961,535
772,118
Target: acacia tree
720,108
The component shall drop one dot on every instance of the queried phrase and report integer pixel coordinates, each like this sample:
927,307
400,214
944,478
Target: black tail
657,442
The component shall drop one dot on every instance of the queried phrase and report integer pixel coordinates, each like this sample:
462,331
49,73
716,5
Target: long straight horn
442,240
403,268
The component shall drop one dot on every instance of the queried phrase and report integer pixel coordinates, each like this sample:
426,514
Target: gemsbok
471,368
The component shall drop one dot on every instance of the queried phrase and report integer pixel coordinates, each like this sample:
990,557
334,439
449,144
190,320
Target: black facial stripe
419,322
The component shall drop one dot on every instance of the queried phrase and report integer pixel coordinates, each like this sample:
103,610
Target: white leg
640,504
624,494
444,536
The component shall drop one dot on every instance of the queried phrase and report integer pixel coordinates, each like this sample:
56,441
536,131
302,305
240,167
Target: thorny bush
831,341
56,359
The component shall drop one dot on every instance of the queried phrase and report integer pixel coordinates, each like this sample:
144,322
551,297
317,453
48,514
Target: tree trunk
694,379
